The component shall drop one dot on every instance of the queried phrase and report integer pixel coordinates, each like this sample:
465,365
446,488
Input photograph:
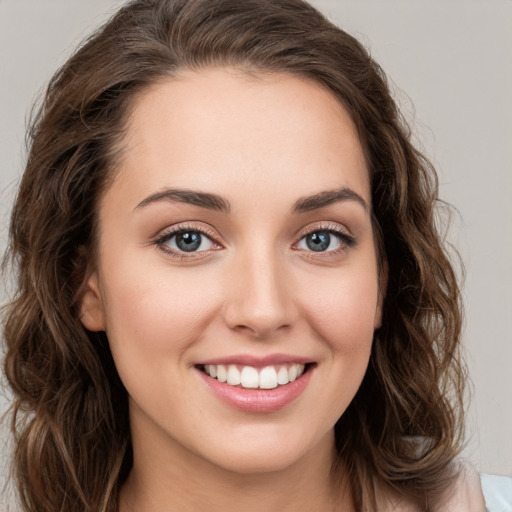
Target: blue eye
324,241
187,241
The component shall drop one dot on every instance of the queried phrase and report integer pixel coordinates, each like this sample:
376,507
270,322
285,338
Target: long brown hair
70,411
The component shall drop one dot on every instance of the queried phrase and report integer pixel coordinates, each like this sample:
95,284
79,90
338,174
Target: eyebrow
326,198
202,199
218,203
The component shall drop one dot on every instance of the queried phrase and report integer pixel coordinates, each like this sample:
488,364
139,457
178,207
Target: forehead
214,128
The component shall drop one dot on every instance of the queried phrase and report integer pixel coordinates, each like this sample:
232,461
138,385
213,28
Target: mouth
257,384
256,377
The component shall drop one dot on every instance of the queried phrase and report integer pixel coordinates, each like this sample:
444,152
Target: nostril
259,328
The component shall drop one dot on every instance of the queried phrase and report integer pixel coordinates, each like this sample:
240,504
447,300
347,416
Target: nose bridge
260,300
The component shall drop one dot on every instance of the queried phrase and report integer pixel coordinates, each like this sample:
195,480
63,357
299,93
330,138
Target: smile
250,377
257,385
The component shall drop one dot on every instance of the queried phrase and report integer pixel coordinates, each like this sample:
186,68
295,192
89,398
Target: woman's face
236,243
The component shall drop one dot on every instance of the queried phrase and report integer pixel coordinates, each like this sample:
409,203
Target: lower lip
258,400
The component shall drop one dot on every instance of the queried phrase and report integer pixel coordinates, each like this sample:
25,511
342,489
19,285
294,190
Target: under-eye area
251,377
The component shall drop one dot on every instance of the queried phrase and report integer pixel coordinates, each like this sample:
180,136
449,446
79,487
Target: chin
264,454
260,463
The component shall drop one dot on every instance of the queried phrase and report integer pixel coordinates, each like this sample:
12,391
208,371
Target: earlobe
92,314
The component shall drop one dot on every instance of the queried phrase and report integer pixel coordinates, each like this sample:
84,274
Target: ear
383,283
92,313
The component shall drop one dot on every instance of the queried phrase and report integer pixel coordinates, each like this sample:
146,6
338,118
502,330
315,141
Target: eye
184,240
325,240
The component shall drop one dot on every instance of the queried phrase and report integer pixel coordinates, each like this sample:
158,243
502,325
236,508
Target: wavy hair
70,411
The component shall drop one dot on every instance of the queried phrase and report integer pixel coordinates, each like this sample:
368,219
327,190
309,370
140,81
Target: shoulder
464,495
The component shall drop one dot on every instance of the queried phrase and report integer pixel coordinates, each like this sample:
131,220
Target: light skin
268,173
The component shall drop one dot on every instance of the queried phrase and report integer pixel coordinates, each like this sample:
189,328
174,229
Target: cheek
340,312
342,309
157,311
153,319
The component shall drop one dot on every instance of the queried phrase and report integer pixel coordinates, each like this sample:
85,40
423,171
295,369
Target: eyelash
162,240
347,241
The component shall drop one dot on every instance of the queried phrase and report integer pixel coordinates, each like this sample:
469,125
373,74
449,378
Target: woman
233,294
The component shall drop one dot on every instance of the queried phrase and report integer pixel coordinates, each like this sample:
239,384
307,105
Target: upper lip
257,361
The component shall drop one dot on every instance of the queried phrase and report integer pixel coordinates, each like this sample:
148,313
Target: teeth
283,376
221,373
233,375
249,377
268,378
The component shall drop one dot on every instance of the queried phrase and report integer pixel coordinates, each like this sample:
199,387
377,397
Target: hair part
70,412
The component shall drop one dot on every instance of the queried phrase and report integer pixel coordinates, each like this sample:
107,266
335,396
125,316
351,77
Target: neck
174,479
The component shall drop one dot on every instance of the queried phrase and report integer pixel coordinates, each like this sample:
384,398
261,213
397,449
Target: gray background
453,59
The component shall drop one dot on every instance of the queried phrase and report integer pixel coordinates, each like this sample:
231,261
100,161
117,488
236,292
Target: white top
498,492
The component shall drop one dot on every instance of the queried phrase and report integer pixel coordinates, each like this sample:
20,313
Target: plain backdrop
450,63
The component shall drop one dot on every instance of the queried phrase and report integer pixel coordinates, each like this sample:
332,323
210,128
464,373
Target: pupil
318,241
188,241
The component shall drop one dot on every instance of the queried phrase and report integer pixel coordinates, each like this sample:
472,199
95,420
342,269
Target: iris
318,241
188,241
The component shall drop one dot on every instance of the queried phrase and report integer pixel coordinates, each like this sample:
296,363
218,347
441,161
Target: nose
260,298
